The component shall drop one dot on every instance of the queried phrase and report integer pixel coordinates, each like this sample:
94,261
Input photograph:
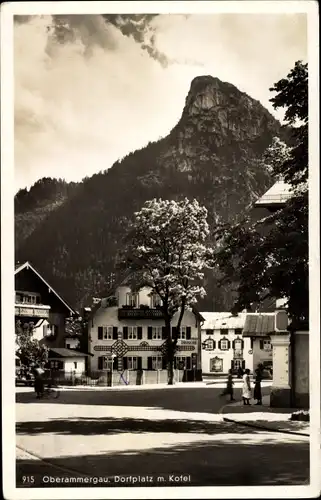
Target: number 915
28,479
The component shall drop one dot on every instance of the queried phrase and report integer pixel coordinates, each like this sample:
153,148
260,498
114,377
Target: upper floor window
27,298
155,300
209,345
265,345
224,344
209,331
157,332
184,333
223,331
238,344
132,299
238,331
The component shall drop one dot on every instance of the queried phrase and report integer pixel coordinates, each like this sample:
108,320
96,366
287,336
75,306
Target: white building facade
223,346
130,334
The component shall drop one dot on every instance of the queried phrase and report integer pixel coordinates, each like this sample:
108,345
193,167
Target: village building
223,347
289,341
38,304
127,335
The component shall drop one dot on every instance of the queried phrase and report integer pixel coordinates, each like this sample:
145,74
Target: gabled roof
259,325
222,320
63,352
27,265
278,194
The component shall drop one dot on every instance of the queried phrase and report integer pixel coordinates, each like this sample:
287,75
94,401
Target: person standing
246,388
229,386
39,383
257,386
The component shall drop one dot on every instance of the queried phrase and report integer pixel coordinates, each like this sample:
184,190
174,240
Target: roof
67,353
222,320
27,265
259,325
278,194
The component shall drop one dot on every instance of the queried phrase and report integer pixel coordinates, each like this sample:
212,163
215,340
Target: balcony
31,310
139,313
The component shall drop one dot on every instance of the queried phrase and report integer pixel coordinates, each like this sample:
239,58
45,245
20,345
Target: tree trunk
169,352
170,370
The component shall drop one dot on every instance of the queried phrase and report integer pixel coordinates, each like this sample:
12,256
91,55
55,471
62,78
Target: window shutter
242,343
139,363
243,364
251,341
100,333
261,344
188,363
139,332
219,344
115,333
232,364
228,344
149,363
100,363
163,332
125,332
149,332
125,364
233,344
214,344
188,332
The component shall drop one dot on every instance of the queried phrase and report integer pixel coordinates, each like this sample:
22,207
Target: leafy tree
269,257
167,251
30,352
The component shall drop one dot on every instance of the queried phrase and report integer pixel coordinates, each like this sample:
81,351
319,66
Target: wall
226,356
108,316
72,343
300,366
70,367
261,355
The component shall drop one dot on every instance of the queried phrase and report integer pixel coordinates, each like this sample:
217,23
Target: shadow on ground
219,464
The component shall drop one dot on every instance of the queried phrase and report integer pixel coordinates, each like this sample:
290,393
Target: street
148,437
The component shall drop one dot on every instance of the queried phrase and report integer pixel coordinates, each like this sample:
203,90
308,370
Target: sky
89,89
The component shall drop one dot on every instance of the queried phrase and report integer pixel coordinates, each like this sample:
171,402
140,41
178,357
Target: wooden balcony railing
32,310
137,313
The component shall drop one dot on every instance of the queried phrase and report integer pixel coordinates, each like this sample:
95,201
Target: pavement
178,431
264,417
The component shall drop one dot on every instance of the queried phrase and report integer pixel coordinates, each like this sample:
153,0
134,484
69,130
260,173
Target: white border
8,10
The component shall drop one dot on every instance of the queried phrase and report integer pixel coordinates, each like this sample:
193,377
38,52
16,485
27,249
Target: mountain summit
212,154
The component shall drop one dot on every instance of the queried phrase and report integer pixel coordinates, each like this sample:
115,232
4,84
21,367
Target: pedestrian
229,386
257,386
246,389
39,383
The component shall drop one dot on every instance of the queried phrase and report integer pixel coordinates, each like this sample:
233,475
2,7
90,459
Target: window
224,344
157,332
265,345
223,331
155,363
68,346
56,365
132,363
75,365
238,344
209,332
155,300
238,331
107,362
132,332
132,299
184,334
107,333
209,345
183,362
216,364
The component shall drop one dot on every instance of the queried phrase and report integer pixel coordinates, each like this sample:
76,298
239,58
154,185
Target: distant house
223,347
127,335
39,304
258,327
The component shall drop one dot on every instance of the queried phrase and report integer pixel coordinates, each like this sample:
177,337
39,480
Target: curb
262,427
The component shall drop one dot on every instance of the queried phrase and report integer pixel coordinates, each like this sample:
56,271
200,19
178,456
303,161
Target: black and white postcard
160,249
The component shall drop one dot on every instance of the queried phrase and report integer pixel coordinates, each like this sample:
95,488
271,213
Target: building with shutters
223,346
127,333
